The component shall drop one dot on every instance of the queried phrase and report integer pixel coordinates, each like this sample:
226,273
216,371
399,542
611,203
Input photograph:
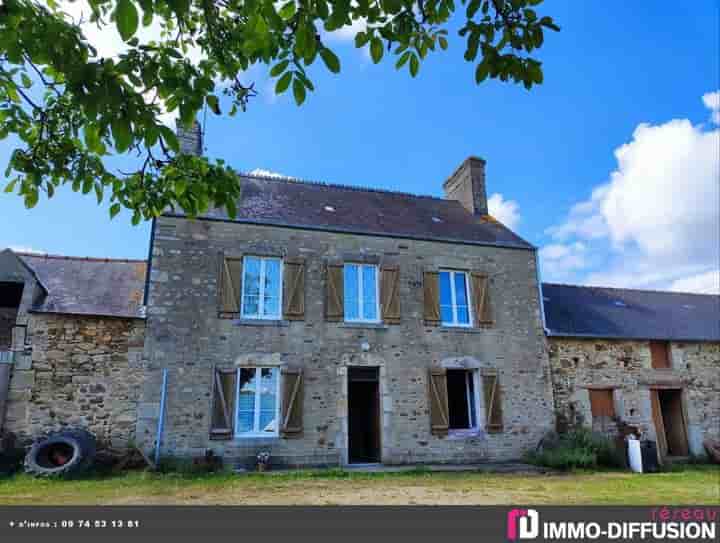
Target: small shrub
577,449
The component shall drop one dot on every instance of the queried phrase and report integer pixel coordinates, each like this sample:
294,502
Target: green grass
690,484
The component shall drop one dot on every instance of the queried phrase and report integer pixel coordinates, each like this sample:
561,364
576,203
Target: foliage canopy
71,108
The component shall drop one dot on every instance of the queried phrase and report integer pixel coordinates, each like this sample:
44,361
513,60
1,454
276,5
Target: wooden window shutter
431,294
223,404
601,402
292,403
229,284
660,354
439,411
493,404
481,298
334,293
294,289
390,294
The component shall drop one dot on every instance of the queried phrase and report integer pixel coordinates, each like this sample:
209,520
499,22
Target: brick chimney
190,139
467,186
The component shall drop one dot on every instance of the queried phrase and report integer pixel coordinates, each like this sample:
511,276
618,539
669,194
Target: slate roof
630,314
339,208
89,286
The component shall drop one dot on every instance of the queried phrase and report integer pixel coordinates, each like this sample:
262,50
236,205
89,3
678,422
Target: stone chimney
190,139
467,186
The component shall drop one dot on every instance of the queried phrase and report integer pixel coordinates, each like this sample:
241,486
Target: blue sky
610,166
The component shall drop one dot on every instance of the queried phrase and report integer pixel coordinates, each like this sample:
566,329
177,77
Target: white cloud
348,32
657,220
505,211
560,261
703,283
712,102
268,173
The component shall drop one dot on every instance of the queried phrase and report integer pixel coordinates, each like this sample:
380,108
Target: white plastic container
635,455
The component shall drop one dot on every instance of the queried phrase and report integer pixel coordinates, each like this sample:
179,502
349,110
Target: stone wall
185,336
83,371
625,366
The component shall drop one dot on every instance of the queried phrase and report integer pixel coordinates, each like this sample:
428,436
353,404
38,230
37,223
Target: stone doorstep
485,467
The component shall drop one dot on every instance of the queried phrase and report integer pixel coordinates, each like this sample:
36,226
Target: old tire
61,454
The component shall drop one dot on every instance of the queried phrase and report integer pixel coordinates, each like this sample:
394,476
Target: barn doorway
10,297
669,419
363,415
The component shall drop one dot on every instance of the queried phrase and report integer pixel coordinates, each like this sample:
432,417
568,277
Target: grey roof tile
304,204
89,286
630,314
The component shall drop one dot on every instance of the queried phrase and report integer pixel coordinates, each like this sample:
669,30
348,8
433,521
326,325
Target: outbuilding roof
338,208
89,286
572,310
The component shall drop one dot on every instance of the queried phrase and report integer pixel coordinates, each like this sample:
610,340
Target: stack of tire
61,454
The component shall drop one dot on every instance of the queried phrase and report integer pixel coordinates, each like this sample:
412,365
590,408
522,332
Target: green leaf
31,198
98,191
331,60
288,10
11,186
126,19
169,138
443,43
481,72
414,65
361,38
402,60
121,134
376,49
26,81
283,83
298,91
279,68
212,101
114,210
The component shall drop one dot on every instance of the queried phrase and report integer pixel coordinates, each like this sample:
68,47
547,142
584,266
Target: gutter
146,292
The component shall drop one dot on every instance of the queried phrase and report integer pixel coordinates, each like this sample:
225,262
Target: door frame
656,414
344,409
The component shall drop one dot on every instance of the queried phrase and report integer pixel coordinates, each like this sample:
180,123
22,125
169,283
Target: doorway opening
10,297
669,420
363,415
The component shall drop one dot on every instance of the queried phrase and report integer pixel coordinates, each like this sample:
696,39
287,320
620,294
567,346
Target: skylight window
436,219
331,209
620,303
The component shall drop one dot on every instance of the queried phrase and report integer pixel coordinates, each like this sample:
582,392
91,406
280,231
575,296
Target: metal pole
161,418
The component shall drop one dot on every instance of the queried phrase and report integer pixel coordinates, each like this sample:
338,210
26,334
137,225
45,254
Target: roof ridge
629,289
356,188
84,258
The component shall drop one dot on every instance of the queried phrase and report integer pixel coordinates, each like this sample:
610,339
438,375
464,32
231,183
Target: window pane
369,293
463,312
272,288
446,314
471,399
251,286
352,308
246,401
268,400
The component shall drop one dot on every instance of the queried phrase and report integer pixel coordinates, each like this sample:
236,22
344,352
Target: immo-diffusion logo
523,524
678,524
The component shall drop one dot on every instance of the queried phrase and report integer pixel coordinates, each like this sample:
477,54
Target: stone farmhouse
335,325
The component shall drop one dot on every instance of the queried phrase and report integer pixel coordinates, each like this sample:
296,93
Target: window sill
461,329
242,437
261,322
370,325
465,434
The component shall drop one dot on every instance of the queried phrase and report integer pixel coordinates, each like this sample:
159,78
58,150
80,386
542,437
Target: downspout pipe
161,416
540,294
